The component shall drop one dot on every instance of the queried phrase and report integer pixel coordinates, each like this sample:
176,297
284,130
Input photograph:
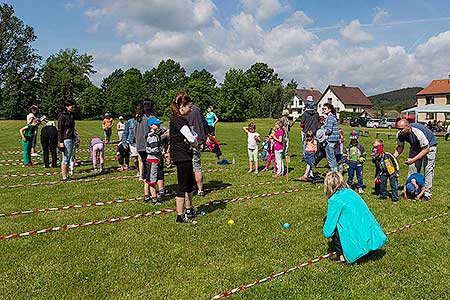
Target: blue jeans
393,180
358,168
69,146
331,155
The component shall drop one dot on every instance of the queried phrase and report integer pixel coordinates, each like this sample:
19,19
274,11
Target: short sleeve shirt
419,138
277,146
180,149
210,118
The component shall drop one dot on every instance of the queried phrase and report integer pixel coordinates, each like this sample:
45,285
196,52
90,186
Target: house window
338,109
429,100
447,116
448,99
329,100
430,116
354,109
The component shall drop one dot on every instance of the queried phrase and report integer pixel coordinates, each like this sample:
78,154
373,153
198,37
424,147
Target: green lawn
155,258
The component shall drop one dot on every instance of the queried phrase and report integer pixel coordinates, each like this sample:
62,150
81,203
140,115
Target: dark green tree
109,87
159,81
128,93
201,93
204,76
64,77
231,104
260,74
92,102
18,60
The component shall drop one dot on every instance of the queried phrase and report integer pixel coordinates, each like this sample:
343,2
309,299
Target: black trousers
337,243
49,146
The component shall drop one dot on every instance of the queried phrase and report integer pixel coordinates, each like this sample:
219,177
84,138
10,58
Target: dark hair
66,104
309,136
141,111
330,107
181,99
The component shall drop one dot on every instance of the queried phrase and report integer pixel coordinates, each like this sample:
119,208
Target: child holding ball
253,139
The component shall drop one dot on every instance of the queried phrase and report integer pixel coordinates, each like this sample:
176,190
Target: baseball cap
353,135
411,189
153,120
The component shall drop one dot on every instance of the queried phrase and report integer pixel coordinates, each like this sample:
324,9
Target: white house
345,98
297,105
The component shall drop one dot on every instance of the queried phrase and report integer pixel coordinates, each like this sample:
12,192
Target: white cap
310,98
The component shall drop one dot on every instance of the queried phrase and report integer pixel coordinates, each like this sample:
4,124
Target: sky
376,45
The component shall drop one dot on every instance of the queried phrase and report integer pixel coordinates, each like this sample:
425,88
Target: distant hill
396,100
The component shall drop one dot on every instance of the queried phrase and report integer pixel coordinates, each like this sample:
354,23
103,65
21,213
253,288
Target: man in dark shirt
310,119
49,141
422,151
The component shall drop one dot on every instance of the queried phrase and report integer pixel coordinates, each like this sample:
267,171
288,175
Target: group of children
273,148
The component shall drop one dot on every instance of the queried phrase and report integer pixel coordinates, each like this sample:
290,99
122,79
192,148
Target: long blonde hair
333,182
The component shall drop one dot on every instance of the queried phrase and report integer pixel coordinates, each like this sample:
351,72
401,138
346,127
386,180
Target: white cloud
299,17
159,14
263,9
246,32
380,15
355,33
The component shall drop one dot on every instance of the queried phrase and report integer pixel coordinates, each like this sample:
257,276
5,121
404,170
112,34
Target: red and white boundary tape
74,206
158,212
83,159
87,180
107,170
310,262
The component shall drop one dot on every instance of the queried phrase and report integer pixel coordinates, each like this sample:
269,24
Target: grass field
155,258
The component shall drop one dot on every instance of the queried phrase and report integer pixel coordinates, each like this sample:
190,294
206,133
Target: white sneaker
34,154
71,172
360,190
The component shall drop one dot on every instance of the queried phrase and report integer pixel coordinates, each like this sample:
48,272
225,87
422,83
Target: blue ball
286,225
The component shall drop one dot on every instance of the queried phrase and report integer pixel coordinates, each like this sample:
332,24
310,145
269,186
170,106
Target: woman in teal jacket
349,222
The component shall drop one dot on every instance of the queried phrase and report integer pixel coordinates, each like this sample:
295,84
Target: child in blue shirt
414,187
354,157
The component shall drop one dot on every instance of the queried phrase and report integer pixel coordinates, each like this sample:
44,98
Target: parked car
358,121
373,123
387,123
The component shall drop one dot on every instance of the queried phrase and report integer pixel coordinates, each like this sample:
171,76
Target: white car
387,123
373,123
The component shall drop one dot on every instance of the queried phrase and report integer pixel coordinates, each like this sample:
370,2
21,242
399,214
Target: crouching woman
349,222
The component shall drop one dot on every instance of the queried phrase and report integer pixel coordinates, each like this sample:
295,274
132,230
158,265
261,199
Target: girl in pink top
278,148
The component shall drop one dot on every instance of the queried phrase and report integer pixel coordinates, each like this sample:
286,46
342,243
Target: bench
389,135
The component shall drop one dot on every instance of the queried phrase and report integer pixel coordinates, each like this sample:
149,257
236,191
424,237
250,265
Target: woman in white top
120,128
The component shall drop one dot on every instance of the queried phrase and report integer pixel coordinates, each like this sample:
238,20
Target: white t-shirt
30,118
252,143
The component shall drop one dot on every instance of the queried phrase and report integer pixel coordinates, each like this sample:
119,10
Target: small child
414,187
310,155
97,148
386,168
123,155
253,138
27,134
154,155
278,148
270,151
265,148
354,157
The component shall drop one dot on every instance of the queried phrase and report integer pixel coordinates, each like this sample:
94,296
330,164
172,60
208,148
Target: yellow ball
230,222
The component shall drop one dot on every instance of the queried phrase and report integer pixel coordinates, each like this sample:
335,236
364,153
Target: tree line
26,79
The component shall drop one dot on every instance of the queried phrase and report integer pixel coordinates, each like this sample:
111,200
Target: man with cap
108,122
422,151
310,119
414,186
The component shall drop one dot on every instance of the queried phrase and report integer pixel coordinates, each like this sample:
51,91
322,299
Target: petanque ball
230,222
286,225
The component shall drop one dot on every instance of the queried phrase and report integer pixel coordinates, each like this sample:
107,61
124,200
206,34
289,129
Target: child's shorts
253,154
310,158
151,174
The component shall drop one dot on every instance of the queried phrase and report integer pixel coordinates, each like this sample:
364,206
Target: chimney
304,87
448,78
343,85
312,89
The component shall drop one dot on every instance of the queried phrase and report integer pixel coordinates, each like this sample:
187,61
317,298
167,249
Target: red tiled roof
440,86
350,95
303,93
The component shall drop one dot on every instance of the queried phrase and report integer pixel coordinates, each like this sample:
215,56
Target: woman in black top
181,142
66,135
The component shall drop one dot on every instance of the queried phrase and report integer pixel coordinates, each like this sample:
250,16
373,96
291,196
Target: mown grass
154,258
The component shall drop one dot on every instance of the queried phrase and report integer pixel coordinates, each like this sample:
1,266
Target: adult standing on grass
129,140
422,151
349,223
310,119
108,122
182,141
49,142
332,133
212,120
197,122
66,135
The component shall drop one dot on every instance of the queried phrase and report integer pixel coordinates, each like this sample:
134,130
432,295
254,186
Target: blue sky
377,45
